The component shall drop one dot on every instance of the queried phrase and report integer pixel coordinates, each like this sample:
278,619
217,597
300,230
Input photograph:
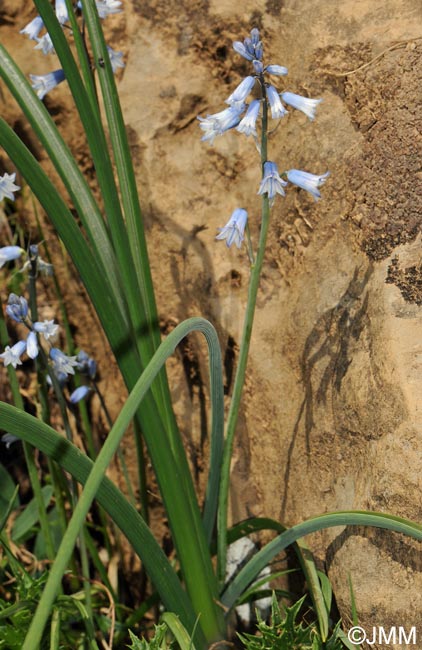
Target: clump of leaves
158,642
284,632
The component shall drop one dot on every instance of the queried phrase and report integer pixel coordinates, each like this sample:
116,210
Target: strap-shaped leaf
71,459
66,167
198,574
342,518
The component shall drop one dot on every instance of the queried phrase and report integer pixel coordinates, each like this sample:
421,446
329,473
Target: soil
331,414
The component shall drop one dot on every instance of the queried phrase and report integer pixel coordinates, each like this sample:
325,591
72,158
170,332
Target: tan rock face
331,412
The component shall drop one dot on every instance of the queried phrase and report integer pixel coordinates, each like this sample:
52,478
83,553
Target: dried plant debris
408,280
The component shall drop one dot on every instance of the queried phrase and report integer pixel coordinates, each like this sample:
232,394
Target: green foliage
111,257
158,642
284,632
69,624
16,618
7,488
25,522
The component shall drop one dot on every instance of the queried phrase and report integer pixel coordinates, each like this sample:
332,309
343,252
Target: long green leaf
7,508
88,265
147,343
30,515
66,167
173,474
96,139
71,459
205,592
125,173
343,518
179,632
305,557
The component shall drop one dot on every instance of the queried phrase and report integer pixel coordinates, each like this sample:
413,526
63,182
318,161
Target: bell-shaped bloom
47,328
45,44
251,48
86,364
32,347
62,363
277,108
42,84
258,66
239,95
304,104
8,439
272,183
107,7
7,186
33,28
277,70
9,253
61,377
61,12
309,182
116,59
248,124
79,394
234,230
218,123
17,308
12,355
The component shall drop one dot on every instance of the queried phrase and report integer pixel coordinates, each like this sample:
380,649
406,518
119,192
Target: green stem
120,455
63,409
242,363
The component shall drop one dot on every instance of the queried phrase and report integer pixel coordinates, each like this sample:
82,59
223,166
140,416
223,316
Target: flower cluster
61,364
218,123
42,84
244,118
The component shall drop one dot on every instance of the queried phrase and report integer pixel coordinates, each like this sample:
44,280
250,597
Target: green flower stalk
272,183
